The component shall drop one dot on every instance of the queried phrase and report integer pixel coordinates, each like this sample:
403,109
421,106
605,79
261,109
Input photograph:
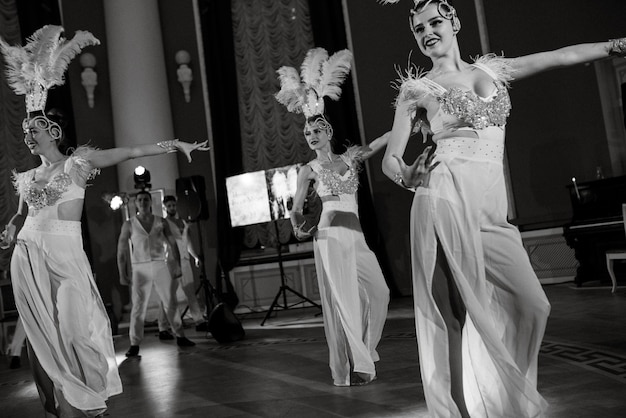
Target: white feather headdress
415,2
320,76
423,3
40,65
445,9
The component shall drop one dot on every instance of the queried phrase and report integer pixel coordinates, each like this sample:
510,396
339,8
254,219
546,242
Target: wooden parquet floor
281,369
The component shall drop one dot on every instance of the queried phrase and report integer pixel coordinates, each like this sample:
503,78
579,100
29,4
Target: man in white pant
180,230
150,238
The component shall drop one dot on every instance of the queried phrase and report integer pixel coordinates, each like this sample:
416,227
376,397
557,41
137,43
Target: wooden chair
613,255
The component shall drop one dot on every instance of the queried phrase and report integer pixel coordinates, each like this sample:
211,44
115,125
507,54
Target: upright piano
597,225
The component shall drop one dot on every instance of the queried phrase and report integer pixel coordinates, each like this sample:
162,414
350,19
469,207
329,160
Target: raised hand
188,147
416,174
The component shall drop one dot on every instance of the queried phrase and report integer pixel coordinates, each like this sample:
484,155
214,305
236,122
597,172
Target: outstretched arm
528,65
109,157
376,145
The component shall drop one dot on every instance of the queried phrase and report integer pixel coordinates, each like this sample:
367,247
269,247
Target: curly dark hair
444,7
59,117
169,198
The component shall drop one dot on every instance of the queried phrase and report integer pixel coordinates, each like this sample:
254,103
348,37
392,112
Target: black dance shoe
202,327
362,379
133,351
165,335
184,342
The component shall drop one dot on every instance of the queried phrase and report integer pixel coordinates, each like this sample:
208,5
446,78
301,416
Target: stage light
116,202
142,178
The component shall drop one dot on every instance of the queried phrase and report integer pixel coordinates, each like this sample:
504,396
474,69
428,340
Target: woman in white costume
480,311
352,288
70,342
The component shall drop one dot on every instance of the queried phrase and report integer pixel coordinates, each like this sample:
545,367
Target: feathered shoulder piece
498,67
21,180
319,76
79,164
40,65
413,85
353,156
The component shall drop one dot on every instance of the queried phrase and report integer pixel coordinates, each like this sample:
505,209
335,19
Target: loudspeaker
191,201
224,324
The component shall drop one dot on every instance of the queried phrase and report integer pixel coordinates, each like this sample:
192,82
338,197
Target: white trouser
188,285
19,337
145,276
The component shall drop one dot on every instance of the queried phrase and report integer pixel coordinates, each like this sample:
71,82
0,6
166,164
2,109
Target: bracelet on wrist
617,47
169,146
399,180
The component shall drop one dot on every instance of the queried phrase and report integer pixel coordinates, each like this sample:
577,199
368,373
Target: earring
456,24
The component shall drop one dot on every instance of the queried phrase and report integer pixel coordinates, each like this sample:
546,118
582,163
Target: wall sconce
89,78
185,76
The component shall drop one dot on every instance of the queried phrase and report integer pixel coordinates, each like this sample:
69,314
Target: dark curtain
217,35
329,32
32,15
27,16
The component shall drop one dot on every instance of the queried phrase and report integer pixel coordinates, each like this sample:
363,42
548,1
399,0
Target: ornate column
139,91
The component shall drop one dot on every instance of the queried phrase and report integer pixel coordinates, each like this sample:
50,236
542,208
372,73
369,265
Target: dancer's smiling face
37,134
433,32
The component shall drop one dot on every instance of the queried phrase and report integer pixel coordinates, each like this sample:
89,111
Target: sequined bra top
44,200
457,104
331,183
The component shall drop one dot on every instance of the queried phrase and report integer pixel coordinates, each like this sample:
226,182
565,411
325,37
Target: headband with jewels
38,66
320,76
445,9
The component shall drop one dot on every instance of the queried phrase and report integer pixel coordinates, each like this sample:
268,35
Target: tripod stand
283,287
209,292
221,321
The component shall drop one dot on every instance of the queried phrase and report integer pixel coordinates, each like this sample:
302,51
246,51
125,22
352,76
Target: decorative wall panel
551,258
